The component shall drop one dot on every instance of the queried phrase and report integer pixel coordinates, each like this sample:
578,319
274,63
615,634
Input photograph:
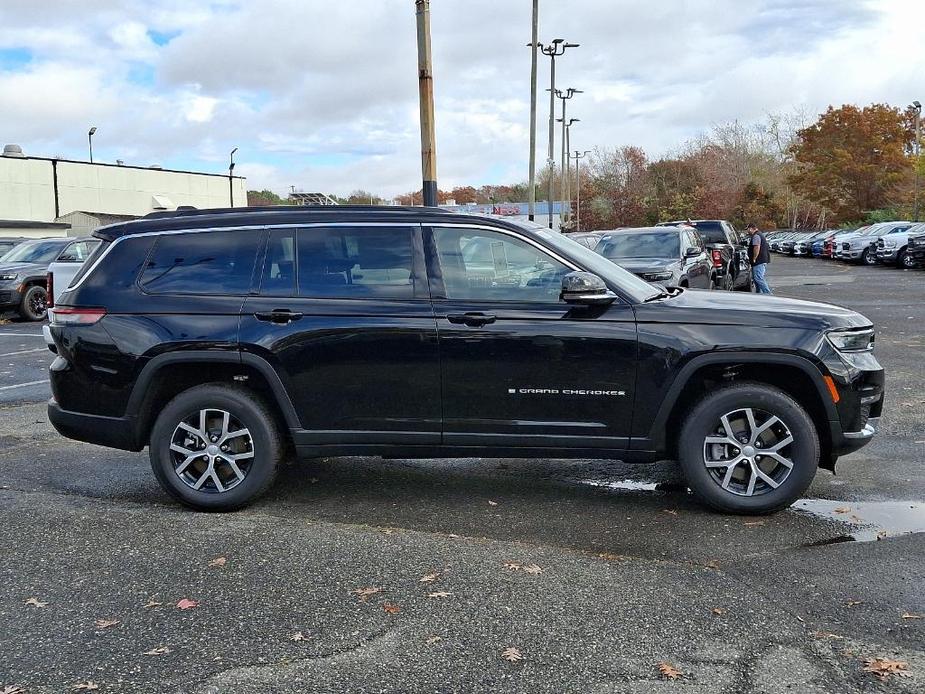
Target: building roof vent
13,151
155,166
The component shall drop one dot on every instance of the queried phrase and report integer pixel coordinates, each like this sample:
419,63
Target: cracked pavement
632,576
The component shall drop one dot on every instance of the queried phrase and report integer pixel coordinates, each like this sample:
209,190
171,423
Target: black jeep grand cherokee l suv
225,339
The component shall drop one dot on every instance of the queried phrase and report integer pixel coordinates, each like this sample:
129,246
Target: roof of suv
283,214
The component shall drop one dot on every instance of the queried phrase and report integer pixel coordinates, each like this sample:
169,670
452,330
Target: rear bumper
114,432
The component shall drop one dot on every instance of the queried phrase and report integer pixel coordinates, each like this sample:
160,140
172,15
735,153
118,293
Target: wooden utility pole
426,89
533,58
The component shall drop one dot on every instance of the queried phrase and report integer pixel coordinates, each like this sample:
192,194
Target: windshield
36,252
637,289
662,245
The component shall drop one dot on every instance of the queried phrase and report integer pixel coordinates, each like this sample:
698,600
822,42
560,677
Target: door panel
533,372
361,366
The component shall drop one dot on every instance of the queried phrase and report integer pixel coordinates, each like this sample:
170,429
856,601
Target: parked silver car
892,246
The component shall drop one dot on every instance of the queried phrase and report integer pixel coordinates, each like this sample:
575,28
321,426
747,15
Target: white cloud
323,95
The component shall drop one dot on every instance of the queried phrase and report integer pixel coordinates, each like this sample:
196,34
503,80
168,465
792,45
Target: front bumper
887,253
10,298
852,253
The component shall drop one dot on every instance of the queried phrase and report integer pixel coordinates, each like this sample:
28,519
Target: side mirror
585,288
692,252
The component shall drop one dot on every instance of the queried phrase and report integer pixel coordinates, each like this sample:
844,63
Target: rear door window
214,262
356,262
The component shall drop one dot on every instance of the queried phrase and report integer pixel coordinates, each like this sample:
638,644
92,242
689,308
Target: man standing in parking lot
759,254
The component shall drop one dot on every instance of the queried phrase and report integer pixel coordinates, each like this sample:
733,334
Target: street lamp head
571,45
233,151
92,130
917,106
558,40
574,120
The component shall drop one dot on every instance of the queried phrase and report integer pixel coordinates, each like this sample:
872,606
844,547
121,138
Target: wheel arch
795,375
167,375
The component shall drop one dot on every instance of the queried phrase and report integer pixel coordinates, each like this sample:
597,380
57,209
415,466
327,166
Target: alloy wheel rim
748,453
908,261
211,451
37,303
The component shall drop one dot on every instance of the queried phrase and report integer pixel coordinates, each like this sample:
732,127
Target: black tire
704,421
749,285
34,306
267,447
904,260
867,258
728,280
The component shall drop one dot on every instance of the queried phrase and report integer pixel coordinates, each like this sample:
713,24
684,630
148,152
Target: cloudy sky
323,95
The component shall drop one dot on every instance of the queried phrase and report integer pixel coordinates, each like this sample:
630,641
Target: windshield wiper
656,297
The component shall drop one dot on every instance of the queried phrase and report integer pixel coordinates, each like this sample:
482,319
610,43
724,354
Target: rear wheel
905,260
34,305
215,447
749,448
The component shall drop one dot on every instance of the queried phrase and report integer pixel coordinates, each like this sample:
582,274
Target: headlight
852,340
889,243
9,277
657,276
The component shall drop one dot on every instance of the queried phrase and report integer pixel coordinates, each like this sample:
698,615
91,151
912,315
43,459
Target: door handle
473,320
280,315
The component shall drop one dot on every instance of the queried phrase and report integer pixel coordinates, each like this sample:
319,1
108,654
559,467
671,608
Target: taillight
77,316
50,290
717,258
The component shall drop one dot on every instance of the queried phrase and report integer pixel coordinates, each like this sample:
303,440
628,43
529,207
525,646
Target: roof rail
282,209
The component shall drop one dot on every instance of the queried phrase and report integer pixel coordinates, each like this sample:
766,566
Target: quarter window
213,262
477,264
356,262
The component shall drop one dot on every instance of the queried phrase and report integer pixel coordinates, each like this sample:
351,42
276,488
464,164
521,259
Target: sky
322,95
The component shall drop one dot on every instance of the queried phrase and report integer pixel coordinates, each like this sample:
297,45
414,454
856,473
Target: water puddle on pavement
866,520
627,485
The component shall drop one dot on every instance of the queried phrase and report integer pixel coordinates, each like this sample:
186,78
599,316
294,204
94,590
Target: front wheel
868,258
748,448
904,260
215,447
34,305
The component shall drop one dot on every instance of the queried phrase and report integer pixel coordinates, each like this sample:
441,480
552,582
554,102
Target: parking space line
25,351
24,385
21,335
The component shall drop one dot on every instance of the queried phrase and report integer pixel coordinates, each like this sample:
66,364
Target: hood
754,310
638,265
23,268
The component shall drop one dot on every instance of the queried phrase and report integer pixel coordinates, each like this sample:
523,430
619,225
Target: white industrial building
58,197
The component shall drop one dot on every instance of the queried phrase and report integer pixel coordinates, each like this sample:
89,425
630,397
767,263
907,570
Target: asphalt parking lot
364,575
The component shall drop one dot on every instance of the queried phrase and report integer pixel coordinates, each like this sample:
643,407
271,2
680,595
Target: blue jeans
761,284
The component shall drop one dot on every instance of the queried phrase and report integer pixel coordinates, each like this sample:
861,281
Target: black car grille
7,297
916,241
880,243
846,246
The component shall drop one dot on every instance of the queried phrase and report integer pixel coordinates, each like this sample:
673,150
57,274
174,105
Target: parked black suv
224,339
724,244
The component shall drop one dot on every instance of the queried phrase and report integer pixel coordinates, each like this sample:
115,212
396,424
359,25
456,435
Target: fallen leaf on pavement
852,603
433,639
826,635
669,671
719,611
12,689
842,509
152,603
390,608
160,650
364,593
882,668
911,615
512,566
218,562
35,602
86,686
511,654
439,594
106,623
532,569
187,604
429,578
882,534
298,636
669,511
387,531
713,564
610,556
492,503
754,522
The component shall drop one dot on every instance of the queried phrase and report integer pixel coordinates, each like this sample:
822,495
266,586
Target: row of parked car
31,268
700,254
896,243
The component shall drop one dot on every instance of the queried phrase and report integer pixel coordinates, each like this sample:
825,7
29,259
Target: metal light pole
565,96
90,140
917,107
556,48
577,157
531,212
231,176
426,91
566,169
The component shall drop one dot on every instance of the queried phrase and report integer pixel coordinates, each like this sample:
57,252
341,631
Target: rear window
711,232
214,262
90,261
